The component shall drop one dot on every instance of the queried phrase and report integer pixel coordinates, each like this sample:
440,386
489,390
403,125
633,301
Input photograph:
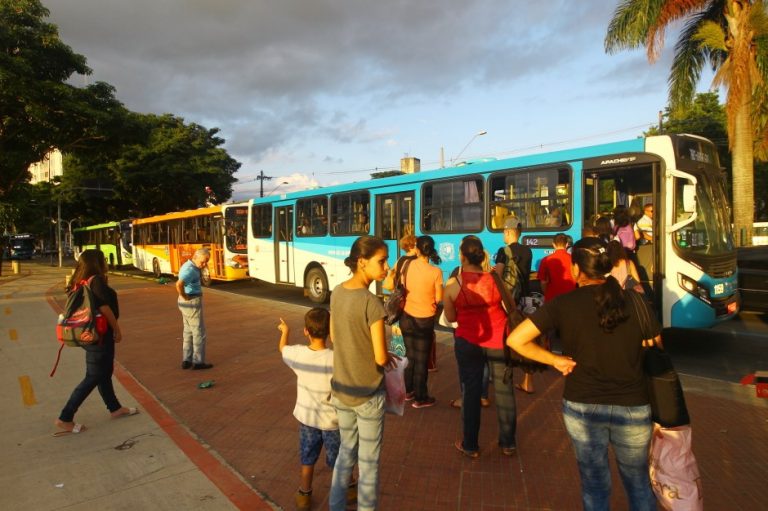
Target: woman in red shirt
474,301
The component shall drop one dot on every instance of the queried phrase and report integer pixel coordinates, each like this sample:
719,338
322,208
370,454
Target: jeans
99,364
418,334
628,430
362,431
193,348
472,360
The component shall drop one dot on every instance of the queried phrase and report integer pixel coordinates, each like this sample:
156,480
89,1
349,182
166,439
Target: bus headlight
693,287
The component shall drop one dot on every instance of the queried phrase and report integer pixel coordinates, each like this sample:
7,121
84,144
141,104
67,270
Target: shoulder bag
514,318
396,302
665,392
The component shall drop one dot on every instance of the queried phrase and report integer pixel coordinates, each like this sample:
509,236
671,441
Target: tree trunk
743,176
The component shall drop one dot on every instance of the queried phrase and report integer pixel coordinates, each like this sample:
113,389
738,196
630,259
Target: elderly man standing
189,287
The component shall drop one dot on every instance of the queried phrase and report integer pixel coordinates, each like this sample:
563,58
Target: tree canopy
117,163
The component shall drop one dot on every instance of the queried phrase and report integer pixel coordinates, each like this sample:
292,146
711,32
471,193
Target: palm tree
732,36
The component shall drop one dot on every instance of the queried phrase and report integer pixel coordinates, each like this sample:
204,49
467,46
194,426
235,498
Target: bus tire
156,268
205,277
316,285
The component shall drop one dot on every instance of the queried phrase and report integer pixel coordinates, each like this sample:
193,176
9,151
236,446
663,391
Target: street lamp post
478,134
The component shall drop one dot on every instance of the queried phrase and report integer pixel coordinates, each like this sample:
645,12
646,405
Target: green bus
112,238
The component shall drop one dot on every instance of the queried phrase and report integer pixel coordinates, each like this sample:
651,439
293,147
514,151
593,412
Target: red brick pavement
246,417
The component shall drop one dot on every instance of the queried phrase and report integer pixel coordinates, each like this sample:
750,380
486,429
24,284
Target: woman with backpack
624,270
91,271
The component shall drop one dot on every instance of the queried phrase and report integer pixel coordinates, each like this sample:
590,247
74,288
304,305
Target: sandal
131,411
521,389
456,403
469,454
76,428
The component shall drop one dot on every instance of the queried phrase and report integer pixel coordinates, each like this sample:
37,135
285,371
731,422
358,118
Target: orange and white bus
161,244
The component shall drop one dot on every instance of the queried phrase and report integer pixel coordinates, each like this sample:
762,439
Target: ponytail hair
364,247
592,257
426,246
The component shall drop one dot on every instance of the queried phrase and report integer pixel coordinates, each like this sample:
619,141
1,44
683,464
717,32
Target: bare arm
451,290
106,311
633,271
180,289
521,340
284,331
380,353
389,281
499,268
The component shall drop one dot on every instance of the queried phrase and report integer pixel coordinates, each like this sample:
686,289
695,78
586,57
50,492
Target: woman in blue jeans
605,401
99,358
473,300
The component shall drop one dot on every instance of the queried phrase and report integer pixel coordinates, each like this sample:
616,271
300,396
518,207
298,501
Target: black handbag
396,302
665,392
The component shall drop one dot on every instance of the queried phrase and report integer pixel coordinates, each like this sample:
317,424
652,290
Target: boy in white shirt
318,424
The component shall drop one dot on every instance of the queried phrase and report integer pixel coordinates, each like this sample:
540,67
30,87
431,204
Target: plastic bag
673,469
394,380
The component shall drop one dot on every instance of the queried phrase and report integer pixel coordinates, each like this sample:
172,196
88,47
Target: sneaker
410,396
186,364
303,500
202,366
430,401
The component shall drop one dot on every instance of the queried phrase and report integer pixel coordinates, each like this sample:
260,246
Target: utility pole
261,177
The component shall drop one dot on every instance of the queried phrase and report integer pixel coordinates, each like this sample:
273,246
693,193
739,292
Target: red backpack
81,323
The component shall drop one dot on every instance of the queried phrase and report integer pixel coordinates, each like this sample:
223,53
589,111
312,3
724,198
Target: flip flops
76,428
131,411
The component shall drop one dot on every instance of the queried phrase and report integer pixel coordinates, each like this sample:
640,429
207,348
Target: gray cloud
265,72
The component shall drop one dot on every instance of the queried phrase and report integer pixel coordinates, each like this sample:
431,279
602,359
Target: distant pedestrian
190,302
100,357
318,423
360,359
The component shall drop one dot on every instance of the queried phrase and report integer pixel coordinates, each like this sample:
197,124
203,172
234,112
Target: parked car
753,278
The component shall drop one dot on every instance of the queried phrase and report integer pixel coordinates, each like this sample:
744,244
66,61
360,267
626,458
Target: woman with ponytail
605,401
360,358
424,286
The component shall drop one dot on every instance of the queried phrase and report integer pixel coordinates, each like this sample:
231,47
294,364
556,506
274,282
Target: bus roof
179,214
465,168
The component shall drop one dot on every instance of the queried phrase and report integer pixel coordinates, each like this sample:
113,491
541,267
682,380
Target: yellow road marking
27,392
13,335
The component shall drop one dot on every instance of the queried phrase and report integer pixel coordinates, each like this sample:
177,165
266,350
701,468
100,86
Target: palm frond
758,20
690,58
669,12
711,35
629,25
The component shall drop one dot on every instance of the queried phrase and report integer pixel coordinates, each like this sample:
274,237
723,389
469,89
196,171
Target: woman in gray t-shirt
360,359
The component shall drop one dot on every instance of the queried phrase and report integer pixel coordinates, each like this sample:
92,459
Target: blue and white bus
302,238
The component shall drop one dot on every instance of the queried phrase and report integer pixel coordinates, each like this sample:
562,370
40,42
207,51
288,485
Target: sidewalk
246,420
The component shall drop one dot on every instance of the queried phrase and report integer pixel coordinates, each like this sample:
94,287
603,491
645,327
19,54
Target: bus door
394,219
284,245
632,186
216,264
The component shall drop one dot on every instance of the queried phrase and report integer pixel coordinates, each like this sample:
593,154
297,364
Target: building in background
45,170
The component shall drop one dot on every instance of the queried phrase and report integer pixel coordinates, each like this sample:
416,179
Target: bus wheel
205,277
156,268
317,286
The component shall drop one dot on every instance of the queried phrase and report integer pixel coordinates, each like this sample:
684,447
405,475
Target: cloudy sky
316,92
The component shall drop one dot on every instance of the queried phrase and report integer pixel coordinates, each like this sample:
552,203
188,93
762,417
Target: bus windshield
236,221
710,233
